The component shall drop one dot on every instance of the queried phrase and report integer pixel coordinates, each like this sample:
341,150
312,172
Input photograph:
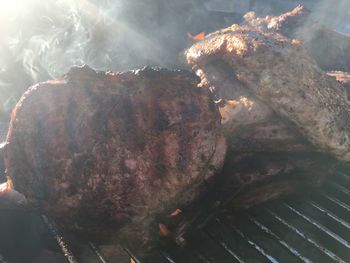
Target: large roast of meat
100,152
113,155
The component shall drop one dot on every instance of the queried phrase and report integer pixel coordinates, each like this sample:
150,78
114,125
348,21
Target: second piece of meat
280,72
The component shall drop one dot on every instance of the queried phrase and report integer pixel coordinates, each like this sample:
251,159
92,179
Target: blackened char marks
108,158
124,111
71,125
188,113
162,121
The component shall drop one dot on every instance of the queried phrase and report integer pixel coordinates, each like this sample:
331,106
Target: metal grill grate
313,227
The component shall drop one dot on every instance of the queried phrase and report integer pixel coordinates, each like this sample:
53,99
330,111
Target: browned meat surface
344,79
269,93
249,124
340,76
280,72
329,48
258,177
286,24
100,152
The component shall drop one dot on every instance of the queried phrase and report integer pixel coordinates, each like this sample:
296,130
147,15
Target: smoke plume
41,40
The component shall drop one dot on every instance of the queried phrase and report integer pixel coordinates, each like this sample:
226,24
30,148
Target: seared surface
249,124
280,72
344,79
99,152
328,47
287,24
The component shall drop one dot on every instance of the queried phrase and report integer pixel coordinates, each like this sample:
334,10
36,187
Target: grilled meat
287,24
280,72
344,79
329,48
100,152
249,124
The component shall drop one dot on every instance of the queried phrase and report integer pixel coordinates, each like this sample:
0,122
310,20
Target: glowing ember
164,231
176,212
197,37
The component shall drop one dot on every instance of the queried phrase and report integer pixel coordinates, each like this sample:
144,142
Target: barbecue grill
311,225
305,227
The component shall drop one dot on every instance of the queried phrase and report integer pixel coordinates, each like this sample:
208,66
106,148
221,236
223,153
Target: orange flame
197,37
132,260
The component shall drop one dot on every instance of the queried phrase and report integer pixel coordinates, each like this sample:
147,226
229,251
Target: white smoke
333,14
46,38
51,37
41,40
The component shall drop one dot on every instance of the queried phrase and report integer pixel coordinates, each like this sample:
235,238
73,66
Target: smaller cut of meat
281,73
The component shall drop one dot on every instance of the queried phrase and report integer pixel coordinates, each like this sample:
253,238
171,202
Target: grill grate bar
201,257
132,255
301,234
330,214
341,188
337,201
209,248
253,244
60,240
167,257
225,247
283,243
345,176
312,228
97,252
319,226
